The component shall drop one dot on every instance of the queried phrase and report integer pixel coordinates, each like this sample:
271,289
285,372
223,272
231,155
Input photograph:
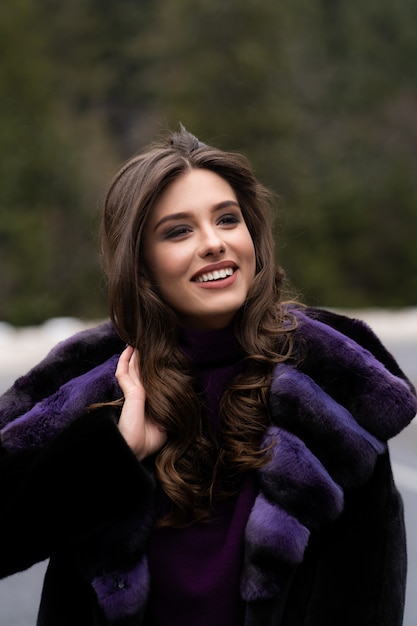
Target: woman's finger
123,370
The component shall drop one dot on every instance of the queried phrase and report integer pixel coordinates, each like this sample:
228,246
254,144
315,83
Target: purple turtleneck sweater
195,571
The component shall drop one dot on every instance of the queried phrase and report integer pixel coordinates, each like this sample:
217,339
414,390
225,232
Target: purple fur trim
380,401
121,594
49,416
67,360
297,480
270,527
345,448
275,540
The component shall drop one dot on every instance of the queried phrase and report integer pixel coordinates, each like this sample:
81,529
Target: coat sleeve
57,495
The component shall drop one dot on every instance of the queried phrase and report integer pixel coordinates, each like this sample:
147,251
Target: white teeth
216,275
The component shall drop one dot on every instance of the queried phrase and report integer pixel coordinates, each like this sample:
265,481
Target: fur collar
332,410
331,415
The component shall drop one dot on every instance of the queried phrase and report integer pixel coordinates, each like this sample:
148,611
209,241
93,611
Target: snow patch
22,348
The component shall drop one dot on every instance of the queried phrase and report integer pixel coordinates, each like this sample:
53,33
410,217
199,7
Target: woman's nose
211,243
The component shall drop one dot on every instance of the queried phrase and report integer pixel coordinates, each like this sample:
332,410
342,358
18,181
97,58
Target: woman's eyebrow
172,217
182,215
225,204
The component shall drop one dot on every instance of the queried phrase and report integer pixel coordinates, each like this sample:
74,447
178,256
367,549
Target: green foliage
322,97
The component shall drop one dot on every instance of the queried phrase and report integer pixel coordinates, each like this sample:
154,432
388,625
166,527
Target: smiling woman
199,250
229,465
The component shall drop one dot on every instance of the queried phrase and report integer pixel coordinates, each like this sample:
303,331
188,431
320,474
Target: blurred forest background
321,96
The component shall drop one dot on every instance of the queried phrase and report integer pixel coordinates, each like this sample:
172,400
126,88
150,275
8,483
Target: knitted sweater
195,571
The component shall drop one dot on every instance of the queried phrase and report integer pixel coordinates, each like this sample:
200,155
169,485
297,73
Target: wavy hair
193,462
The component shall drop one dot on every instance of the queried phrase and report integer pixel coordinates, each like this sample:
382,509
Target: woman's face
199,250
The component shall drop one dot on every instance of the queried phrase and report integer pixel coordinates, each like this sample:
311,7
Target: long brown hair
192,461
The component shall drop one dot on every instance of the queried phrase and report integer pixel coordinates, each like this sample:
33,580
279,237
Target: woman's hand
143,436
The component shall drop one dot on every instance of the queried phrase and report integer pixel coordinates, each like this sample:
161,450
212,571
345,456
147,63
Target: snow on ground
21,348
399,325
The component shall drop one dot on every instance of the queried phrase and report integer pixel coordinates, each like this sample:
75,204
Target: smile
216,275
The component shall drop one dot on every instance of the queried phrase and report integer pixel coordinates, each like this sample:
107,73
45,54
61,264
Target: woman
229,466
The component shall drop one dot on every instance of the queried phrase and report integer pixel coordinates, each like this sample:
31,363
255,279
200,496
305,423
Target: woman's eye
178,231
227,220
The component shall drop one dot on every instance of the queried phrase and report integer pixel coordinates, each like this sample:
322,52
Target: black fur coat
325,540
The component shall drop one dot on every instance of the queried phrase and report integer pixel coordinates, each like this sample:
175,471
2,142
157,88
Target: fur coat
325,540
